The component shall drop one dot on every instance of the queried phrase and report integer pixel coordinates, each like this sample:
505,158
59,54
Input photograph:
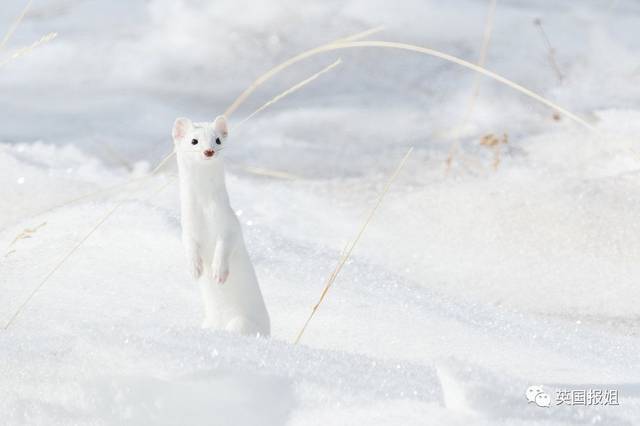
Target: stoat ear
220,126
181,127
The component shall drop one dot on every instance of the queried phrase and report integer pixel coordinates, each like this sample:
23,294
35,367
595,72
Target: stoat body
216,254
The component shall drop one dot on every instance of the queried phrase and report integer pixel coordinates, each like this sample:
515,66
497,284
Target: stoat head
200,142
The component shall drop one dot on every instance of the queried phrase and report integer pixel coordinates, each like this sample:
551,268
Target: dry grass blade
551,51
105,190
117,186
486,38
360,36
70,253
27,233
403,46
14,26
23,51
261,171
114,155
327,285
463,63
275,70
162,162
495,144
291,90
343,259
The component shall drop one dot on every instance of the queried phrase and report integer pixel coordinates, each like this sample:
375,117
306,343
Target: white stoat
211,232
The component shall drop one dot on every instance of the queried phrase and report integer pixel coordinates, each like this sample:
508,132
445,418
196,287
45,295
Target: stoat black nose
209,153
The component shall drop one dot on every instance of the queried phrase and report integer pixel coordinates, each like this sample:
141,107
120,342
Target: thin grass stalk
286,64
115,156
551,52
262,171
361,35
450,58
26,233
291,90
404,46
345,257
108,188
327,284
23,51
486,38
71,252
105,190
14,26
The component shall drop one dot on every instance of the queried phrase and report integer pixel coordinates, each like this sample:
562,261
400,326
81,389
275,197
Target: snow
467,288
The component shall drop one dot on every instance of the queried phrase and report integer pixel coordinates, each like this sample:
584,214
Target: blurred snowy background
472,283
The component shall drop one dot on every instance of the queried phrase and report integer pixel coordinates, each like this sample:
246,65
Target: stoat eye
194,142
218,141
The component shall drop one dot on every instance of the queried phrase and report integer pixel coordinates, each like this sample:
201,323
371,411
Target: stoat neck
202,181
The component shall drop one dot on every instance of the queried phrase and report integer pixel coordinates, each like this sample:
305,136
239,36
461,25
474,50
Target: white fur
211,233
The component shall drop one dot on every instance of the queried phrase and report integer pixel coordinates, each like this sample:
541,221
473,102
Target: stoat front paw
220,272
196,266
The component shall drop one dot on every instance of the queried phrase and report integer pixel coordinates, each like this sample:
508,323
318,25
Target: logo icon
538,395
